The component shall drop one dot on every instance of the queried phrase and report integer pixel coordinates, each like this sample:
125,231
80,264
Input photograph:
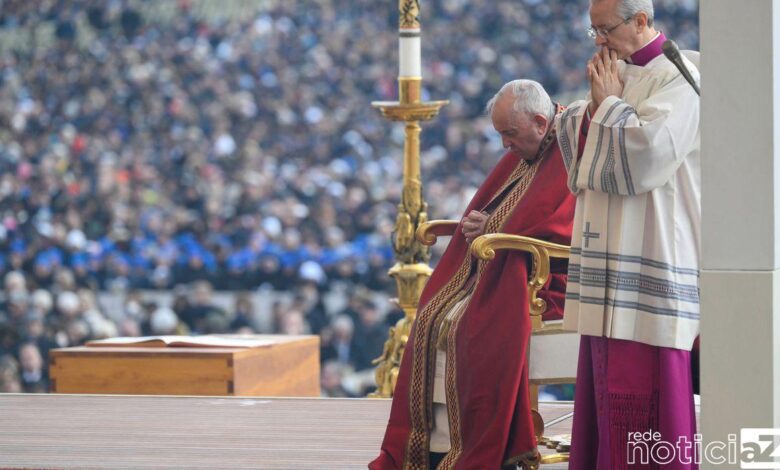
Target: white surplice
634,266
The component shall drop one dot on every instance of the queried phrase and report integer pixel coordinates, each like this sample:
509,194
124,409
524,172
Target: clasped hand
604,77
474,225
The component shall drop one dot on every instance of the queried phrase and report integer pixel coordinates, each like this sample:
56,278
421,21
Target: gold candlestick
411,270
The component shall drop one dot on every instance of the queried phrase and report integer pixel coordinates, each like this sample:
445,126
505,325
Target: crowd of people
150,151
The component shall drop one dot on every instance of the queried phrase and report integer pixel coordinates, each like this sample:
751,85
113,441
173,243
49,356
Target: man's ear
641,21
541,123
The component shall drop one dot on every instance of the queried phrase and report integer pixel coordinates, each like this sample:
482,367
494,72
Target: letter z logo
760,450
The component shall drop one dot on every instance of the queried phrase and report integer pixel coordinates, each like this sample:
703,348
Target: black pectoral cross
587,234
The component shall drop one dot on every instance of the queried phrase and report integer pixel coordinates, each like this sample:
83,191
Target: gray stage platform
139,432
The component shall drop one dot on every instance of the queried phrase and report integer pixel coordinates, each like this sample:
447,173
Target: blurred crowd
149,148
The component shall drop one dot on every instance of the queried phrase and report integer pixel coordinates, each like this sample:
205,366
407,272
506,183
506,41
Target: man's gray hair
529,97
629,8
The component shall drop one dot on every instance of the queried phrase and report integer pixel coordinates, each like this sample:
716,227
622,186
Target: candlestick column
411,270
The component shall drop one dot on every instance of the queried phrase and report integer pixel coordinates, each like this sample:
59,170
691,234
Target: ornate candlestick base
410,279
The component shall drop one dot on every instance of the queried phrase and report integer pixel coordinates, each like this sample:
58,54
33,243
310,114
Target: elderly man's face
623,36
520,133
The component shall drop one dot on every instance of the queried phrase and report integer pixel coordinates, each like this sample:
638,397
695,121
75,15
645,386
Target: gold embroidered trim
494,224
427,324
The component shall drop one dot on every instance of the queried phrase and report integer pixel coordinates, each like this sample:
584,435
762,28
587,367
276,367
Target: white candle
410,60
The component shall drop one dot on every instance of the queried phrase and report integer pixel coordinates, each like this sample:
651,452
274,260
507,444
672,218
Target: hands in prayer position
474,225
604,78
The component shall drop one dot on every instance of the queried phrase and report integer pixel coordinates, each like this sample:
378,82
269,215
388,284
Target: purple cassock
625,387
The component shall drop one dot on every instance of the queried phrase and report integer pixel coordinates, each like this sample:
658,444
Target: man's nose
505,142
600,41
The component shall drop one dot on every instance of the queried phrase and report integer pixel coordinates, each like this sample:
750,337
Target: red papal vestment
486,381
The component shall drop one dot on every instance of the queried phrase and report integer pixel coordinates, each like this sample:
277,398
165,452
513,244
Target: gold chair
553,352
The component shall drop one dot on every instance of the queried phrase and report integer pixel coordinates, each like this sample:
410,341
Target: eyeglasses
603,33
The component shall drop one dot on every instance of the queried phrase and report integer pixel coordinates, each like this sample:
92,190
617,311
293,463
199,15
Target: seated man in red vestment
461,400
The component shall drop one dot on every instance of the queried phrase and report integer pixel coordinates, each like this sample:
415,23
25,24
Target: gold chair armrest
428,232
485,247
